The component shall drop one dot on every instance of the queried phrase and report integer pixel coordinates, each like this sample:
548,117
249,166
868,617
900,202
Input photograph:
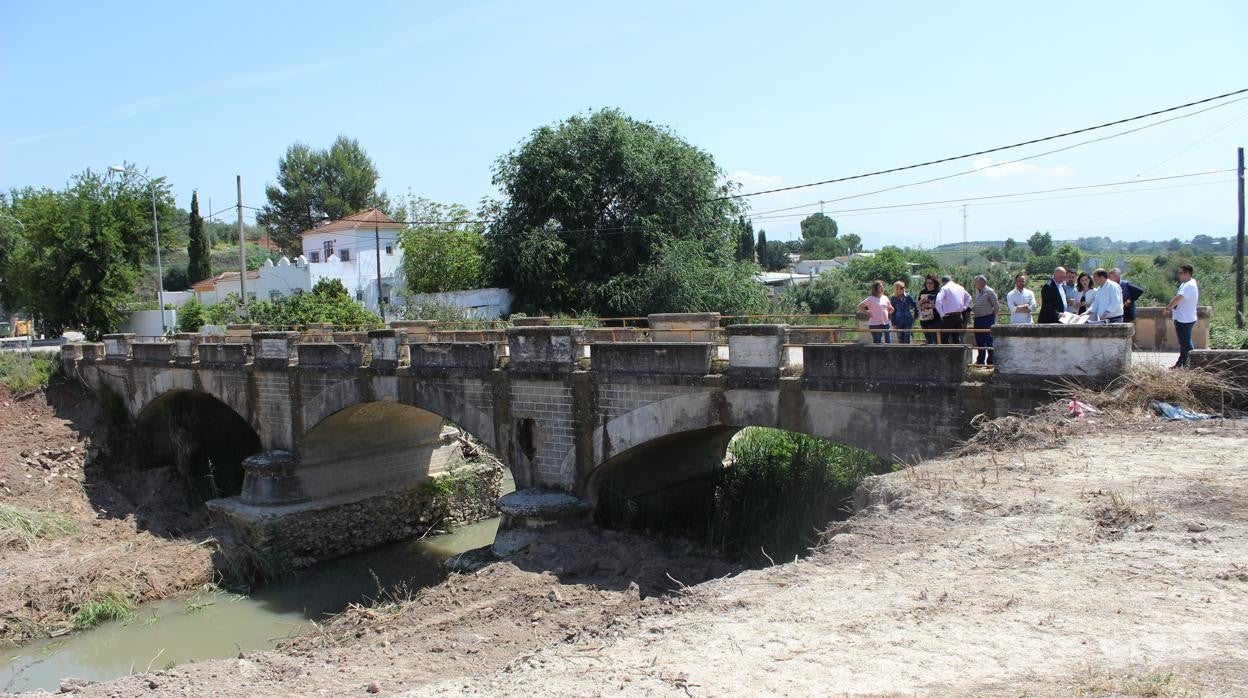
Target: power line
1024,193
1006,162
986,151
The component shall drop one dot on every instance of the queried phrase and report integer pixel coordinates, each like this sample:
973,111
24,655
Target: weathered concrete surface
1230,362
361,415
1092,353
1155,332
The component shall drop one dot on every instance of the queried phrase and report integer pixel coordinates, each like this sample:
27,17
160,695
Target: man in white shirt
1107,303
1183,308
1021,301
952,303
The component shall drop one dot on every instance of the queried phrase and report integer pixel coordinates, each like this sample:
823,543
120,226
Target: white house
815,267
348,250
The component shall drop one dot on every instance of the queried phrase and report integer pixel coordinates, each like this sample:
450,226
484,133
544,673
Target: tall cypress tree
199,261
745,240
761,249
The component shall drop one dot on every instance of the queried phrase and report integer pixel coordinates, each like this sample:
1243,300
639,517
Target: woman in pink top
880,310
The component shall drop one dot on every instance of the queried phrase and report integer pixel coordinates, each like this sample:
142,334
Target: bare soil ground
1112,563
50,466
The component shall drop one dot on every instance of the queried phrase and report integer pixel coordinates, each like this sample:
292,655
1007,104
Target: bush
780,489
191,316
25,372
1227,336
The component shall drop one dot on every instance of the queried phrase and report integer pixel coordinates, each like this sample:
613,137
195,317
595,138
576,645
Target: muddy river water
214,625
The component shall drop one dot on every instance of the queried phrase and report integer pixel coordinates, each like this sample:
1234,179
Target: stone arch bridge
352,422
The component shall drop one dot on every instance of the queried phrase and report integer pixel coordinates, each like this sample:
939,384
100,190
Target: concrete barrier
185,348
117,346
224,355
273,349
151,352
543,349
452,358
1094,353
885,363
1233,362
388,348
1155,332
683,327
652,359
756,351
318,355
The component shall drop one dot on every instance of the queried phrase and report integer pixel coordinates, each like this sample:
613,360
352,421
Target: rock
555,595
71,685
1196,527
373,687
153,684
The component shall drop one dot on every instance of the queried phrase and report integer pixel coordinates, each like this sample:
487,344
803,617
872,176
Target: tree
745,240
819,239
853,243
1068,256
593,200
761,247
1041,244
314,185
82,248
198,247
443,249
777,256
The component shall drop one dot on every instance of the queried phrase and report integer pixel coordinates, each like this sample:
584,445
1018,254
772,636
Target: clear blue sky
779,93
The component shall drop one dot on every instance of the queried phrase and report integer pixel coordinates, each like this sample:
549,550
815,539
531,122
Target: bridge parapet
886,366
1092,353
156,353
185,348
452,359
221,355
658,361
543,349
756,351
117,346
273,349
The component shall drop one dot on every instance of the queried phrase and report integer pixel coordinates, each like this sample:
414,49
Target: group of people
944,308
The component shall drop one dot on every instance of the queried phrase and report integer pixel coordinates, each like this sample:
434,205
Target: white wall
485,303
146,323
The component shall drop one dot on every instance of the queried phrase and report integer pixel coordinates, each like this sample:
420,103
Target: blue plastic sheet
1174,413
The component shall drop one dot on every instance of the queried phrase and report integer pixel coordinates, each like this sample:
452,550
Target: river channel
215,625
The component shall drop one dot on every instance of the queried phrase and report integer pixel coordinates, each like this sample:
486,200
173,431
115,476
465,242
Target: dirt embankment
1115,563
72,534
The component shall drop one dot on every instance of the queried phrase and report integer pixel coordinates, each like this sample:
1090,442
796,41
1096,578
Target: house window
359,296
316,257
274,294
344,254
329,249
251,296
389,249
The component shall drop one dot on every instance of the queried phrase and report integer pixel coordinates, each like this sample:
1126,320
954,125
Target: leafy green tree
328,301
776,257
191,316
853,243
761,248
745,240
819,237
198,247
80,254
681,279
1068,256
594,199
1041,244
314,185
443,248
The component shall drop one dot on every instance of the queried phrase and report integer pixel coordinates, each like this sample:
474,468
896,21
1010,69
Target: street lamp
160,274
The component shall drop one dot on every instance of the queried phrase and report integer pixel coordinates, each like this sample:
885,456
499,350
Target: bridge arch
697,426
205,438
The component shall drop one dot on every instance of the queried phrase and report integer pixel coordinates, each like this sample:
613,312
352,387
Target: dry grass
1203,391
1046,428
28,527
1121,514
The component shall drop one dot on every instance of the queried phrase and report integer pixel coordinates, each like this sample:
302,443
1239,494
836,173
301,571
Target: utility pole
242,245
1239,249
966,254
381,308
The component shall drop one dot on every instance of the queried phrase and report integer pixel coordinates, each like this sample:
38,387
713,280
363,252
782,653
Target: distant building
815,267
349,250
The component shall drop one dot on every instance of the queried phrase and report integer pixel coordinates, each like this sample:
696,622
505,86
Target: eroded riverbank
1113,564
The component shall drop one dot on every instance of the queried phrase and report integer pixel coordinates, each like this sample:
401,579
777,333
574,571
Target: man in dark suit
1053,297
1130,294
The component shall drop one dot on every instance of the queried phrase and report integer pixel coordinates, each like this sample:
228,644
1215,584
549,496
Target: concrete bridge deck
353,419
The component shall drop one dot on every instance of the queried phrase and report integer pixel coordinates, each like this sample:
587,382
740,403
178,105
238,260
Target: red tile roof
371,218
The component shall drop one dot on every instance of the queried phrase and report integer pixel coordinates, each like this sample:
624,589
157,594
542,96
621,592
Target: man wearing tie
1053,298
